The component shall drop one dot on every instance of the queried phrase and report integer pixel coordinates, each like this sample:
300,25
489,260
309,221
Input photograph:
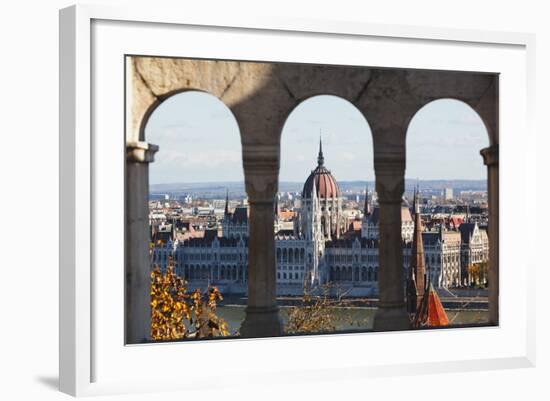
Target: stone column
490,158
138,270
390,184
261,167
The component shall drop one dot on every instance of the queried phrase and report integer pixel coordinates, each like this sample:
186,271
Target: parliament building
320,247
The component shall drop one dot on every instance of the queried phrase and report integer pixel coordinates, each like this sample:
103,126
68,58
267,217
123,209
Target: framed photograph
297,197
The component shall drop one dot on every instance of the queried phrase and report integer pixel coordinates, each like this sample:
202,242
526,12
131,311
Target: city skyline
211,129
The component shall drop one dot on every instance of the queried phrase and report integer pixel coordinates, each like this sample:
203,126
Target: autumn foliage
478,273
318,314
315,315
177,314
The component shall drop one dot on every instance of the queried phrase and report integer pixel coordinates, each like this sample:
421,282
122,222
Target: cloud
348,156
203,158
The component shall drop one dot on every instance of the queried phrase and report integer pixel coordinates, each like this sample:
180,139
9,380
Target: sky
199,141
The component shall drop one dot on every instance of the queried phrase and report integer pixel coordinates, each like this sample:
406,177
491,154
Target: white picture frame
88,366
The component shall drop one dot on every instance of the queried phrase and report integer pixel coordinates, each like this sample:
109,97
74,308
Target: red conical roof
431,312
436,313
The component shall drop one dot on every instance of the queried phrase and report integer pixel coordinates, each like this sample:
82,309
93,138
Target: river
349,318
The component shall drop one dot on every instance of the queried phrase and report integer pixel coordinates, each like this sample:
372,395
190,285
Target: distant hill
236,189
457,185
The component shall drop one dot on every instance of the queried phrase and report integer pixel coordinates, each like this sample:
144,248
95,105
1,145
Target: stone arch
155,79
187,105
331,223
345,96
159,101
337,96
467,104
478,91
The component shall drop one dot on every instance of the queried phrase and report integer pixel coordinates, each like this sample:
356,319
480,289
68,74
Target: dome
322,180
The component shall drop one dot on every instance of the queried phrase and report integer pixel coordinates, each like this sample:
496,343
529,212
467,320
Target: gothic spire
320,158
411,292
226,212
417,198
413,211
367,203
412,286
417,253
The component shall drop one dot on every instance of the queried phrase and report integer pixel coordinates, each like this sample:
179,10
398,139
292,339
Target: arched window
443,134
346,136
193,146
